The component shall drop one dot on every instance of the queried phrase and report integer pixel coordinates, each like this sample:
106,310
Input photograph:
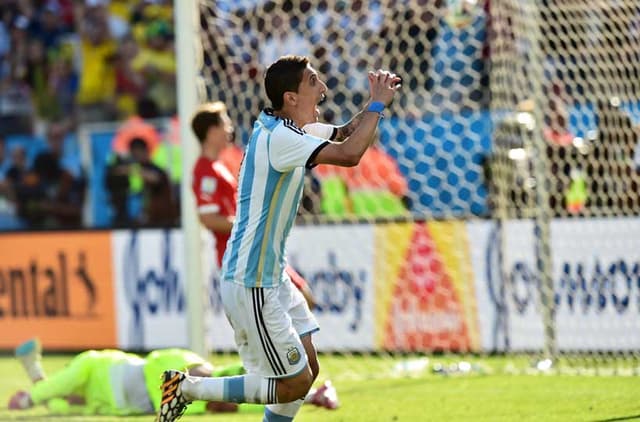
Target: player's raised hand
383,86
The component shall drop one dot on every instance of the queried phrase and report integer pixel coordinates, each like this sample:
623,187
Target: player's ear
290,98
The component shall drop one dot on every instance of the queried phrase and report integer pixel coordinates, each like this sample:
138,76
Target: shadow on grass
621,418
14,417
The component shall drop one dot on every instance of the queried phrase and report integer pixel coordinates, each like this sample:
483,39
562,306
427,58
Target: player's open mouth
323,98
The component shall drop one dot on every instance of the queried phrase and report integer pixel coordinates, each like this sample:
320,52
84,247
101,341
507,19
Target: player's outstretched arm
361,130
344,131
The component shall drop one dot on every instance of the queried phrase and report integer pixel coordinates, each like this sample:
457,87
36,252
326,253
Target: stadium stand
65,63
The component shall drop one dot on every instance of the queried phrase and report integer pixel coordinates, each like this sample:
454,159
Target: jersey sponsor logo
209,185
293,355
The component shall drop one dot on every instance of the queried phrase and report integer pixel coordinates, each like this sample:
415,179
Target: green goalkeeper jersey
117,383
111,382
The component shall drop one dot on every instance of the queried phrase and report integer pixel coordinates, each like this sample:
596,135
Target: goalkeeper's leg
61,385
67,381
29,354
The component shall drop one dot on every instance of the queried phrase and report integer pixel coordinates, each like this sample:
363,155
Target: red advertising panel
425,308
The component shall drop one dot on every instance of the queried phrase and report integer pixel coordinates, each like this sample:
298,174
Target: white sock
282,411
248,388
33,365
309,396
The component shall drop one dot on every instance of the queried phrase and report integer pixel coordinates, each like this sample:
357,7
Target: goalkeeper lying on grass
113,382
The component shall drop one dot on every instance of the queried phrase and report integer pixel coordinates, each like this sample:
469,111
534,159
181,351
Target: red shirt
215,189
231,156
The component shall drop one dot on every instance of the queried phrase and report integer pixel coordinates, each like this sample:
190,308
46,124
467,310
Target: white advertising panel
596,276
149,285
219,332
597,283
337,261
150,295
488,285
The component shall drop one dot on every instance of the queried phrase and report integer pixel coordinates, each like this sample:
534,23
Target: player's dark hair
284,75
206,116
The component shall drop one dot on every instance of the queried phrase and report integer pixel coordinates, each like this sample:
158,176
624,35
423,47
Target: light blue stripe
269,416
230,263
273,177
234,389
27,347
292,216
270,260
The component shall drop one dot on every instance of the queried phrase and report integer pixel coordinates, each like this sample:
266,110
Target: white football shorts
268,324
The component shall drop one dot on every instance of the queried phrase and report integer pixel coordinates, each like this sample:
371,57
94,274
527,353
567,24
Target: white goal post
188,70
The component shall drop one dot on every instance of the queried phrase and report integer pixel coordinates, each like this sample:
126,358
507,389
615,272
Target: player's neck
210,153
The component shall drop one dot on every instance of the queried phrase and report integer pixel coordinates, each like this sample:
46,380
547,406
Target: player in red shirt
215,186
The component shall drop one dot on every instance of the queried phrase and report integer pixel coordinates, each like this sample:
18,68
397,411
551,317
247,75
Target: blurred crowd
67,63
41,186
64,63
85,61
70,64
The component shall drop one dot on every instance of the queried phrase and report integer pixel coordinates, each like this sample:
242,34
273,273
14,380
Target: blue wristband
376,107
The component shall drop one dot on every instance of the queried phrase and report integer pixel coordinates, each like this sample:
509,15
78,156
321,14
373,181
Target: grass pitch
370,389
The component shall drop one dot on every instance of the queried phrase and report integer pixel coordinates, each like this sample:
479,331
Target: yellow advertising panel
425,297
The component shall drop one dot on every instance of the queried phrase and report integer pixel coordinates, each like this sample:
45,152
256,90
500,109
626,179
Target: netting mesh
513,116
435,133
588,104
565,101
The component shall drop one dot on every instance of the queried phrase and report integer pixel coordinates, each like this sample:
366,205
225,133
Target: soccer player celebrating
272,324
214,185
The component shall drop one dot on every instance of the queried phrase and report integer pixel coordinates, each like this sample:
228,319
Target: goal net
564,174
496,211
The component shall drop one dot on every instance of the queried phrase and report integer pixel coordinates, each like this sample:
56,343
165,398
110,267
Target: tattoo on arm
348,128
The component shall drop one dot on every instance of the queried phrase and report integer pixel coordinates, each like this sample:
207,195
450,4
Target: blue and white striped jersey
269,192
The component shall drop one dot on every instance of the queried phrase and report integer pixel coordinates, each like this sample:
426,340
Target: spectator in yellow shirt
96,94
156,61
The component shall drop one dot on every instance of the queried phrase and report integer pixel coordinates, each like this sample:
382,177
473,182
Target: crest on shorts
293,355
